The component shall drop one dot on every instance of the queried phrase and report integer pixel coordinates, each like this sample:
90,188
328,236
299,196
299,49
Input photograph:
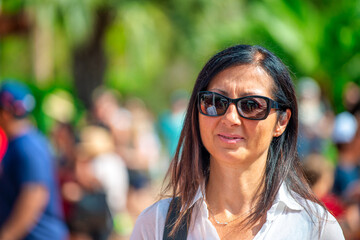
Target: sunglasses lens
212,104
253,107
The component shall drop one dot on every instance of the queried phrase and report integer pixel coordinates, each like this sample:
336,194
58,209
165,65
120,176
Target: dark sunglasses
250,107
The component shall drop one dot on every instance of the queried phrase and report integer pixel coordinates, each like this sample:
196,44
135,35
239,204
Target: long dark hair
189,168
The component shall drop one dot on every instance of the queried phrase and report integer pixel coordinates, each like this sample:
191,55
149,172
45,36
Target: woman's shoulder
157,209
320,219
304,215
311,210
328,225
150,223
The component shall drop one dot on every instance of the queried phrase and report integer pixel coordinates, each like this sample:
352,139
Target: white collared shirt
286,219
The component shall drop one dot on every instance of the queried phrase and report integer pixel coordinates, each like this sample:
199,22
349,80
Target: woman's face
231,139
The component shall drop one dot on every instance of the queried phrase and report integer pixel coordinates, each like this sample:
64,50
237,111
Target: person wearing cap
347,140
29,198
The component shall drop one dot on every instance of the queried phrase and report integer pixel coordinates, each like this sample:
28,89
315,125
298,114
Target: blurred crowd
107,168
96,176
329,149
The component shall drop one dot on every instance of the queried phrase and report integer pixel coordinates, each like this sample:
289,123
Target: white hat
345,128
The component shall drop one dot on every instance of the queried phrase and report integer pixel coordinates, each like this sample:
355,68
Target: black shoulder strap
173,212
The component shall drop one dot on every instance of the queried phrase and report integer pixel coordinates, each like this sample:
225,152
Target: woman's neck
233,190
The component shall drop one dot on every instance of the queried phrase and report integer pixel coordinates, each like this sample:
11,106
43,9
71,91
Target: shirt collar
200,194
289,198
282,199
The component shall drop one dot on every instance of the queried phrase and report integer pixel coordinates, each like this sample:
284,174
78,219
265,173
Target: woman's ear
282,123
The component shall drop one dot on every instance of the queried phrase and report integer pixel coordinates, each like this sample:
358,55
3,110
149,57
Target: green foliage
15,55
154,47
11,6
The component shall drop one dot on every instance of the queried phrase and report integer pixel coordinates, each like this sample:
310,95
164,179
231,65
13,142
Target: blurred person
145,143
133,130
108,112
103,176
171,121
145,152
236,173
346,137
96,144
134,139
64,142
29,197
315,118
351,97
320,175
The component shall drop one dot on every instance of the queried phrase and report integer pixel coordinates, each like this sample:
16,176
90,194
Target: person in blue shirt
171,121
29,200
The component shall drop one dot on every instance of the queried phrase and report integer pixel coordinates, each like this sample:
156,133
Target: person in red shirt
320,175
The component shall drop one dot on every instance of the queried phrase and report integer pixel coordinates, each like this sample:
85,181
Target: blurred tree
13,24
85,24
135,45
89,60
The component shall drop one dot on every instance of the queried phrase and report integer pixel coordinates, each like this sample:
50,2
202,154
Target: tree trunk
89,60
14,24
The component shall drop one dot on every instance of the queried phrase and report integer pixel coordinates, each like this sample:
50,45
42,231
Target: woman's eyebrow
223,92
243,94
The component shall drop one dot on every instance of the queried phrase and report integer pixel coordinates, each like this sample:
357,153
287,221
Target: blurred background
111,79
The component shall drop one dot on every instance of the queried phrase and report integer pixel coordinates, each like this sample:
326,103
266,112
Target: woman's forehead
243,79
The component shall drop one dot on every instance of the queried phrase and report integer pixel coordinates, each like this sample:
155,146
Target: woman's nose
231,115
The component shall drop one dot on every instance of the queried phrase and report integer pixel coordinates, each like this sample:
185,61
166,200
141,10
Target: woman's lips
230,138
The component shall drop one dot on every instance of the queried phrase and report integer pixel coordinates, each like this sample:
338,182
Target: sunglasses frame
270,104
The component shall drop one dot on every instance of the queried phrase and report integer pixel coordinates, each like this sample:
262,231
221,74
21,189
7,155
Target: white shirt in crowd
110,170
286,219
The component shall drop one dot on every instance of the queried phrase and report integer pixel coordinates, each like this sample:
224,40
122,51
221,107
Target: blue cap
16,98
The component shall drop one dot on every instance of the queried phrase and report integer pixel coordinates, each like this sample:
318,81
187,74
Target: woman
236,174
